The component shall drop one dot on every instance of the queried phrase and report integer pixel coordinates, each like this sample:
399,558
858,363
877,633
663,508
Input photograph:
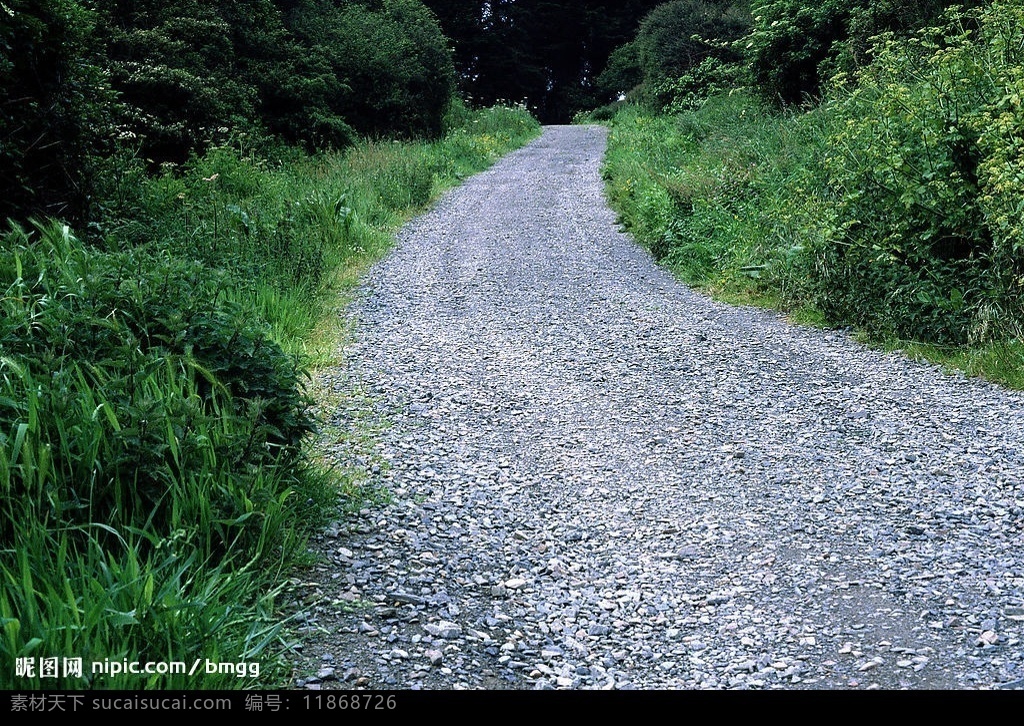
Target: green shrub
622,73
895,207
788,43
692,89
675,39
143,377
795,46
926,163
395,67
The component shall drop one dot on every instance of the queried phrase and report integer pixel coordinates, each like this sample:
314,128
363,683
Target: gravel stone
601,479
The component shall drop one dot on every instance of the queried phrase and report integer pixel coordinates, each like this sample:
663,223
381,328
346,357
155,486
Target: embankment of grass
753,207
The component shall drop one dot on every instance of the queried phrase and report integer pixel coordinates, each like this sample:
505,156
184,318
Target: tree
182,71
54,111
674,39
390,64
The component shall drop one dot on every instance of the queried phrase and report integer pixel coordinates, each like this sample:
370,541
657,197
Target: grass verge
157,474
734,198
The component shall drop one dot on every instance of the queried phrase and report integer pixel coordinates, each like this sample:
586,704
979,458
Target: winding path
602,479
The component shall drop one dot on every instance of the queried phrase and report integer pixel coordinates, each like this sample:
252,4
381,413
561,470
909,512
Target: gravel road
602,479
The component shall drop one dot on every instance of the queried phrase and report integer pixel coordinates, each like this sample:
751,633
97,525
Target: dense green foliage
123,321
169,79
894,206
189,72
151,446
784,49
674,39
391,64
795,45
927,168
54,108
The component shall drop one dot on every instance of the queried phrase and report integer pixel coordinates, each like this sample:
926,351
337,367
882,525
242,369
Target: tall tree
54,108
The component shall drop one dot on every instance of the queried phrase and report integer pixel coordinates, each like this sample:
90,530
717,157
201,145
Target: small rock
989,637
444,629
408,598
351,674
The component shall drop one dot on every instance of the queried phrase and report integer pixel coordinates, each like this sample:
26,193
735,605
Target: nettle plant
926,164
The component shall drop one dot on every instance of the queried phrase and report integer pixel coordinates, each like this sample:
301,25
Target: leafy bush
692,89
182,72
678,36
395,65
895,207
623,72
674,39
795,46
789,41
927,167
144,379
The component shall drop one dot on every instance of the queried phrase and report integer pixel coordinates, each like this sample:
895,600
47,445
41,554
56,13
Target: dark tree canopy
386,63
307,70
54,111
673,39
546,53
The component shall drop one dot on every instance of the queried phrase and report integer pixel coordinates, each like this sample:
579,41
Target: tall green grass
157,473
728,196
